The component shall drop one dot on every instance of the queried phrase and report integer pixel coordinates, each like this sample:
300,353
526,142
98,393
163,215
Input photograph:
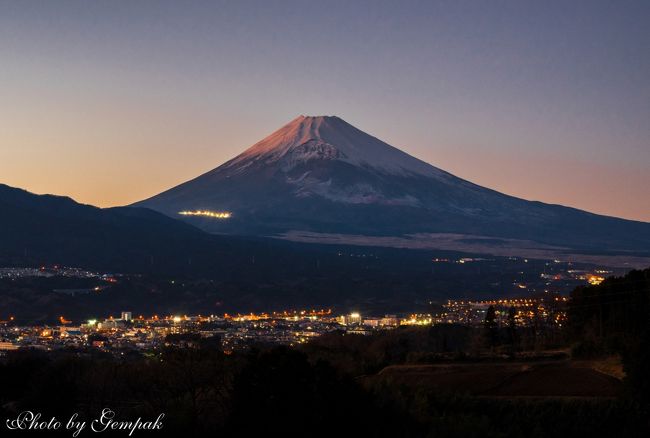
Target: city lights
207,213
595,280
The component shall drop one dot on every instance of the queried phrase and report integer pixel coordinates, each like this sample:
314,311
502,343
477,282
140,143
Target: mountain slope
321,174
56,229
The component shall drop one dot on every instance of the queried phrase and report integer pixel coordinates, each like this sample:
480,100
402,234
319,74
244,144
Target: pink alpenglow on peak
330,137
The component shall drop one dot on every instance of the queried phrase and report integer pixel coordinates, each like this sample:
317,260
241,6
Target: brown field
478,245
507,379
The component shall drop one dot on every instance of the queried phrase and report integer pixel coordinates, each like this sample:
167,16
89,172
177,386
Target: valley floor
475,245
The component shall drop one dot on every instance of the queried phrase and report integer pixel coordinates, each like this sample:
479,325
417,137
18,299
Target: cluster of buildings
129,332
139,333
54,271
288,328
547,311
593,278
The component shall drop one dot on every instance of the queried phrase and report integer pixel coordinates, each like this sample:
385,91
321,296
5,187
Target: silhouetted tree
512,330
614,317
491,327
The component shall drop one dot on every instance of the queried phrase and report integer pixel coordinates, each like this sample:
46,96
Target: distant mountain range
319,178
56,229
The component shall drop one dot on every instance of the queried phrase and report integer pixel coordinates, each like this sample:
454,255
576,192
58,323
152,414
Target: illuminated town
54,271
237,331
541,309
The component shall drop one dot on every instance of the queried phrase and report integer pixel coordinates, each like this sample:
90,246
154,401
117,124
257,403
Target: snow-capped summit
331,138
321,174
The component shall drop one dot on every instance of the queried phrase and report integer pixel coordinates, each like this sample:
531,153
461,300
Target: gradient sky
112,102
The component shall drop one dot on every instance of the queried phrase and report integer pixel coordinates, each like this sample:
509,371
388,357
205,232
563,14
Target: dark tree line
614,317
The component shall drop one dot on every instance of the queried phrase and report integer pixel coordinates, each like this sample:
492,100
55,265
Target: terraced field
505,379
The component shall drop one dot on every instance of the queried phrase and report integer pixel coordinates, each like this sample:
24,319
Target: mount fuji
321,176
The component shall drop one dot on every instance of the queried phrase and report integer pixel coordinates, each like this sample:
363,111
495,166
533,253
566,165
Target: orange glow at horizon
120,170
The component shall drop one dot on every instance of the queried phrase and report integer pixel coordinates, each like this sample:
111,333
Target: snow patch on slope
360,193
